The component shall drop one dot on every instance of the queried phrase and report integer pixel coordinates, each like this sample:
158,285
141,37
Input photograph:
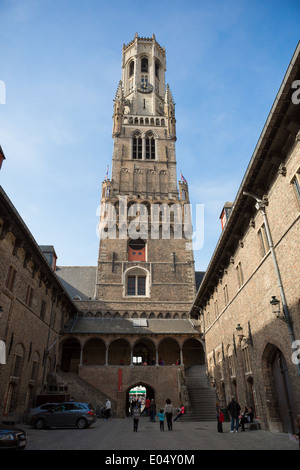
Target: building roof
279,132
130,326
13,222
79,281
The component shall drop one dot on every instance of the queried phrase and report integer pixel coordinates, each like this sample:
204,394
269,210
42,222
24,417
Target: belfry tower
145,260
138,320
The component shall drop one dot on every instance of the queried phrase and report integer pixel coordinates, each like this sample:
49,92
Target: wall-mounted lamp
1,312
240,334
275,304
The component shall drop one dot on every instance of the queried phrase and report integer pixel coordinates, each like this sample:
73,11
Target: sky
59,71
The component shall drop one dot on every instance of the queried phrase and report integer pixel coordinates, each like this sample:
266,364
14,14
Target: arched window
131,68
137,147
150,147
144,64
157,68
136,282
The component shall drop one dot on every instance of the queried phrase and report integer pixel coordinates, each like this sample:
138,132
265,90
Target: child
136,417
161,417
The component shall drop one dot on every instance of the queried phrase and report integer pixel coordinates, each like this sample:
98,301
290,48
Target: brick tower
137,319
145,260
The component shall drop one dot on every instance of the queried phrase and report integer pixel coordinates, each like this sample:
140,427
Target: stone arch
168,351
70,356
144,348
193,352
119,352
150,393
94,352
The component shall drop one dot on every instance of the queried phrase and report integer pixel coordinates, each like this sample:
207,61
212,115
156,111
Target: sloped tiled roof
130,326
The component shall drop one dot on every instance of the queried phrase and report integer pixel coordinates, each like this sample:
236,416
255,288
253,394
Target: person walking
161,417
234,410
136,417
152,410
147,404
107,410
220,417
169,413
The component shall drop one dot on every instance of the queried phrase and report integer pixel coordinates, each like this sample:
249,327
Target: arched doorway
280,405
283,391
70,357
147,392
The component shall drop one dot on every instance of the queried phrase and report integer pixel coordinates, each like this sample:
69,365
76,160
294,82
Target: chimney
225,213
2,157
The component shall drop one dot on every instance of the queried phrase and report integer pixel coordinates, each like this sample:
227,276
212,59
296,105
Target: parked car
12,437
65,414
33,411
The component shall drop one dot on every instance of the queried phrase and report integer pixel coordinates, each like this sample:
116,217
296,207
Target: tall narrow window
263,240
226,297
144,65
150,147
29,296
240,276
246,359
10,278
157,68
296,184
131,68
137,147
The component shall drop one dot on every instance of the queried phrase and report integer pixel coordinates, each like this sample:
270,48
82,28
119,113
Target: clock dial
145,87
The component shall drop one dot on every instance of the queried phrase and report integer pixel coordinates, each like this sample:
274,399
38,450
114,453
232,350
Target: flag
182,177
106,174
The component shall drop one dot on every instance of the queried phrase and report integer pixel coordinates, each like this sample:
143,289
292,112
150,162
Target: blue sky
61,64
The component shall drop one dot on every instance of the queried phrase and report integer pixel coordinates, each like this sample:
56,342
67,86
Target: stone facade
35,307
249,349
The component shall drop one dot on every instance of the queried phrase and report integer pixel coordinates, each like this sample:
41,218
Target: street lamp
241,335
275,304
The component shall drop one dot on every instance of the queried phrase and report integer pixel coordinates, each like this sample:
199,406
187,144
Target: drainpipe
261,205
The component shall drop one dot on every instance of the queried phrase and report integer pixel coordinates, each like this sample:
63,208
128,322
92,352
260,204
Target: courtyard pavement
118,435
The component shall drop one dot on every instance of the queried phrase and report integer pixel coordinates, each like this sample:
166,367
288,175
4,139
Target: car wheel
40,424
81,423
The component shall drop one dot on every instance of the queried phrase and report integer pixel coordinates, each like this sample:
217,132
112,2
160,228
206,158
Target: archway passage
138,393
193,353
70,355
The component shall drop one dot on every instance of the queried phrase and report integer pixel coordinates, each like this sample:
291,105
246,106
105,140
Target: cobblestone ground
118,434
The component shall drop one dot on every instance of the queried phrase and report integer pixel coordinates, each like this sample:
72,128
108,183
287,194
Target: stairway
202,397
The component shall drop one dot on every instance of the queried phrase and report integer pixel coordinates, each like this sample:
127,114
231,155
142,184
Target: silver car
65,414
33,411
